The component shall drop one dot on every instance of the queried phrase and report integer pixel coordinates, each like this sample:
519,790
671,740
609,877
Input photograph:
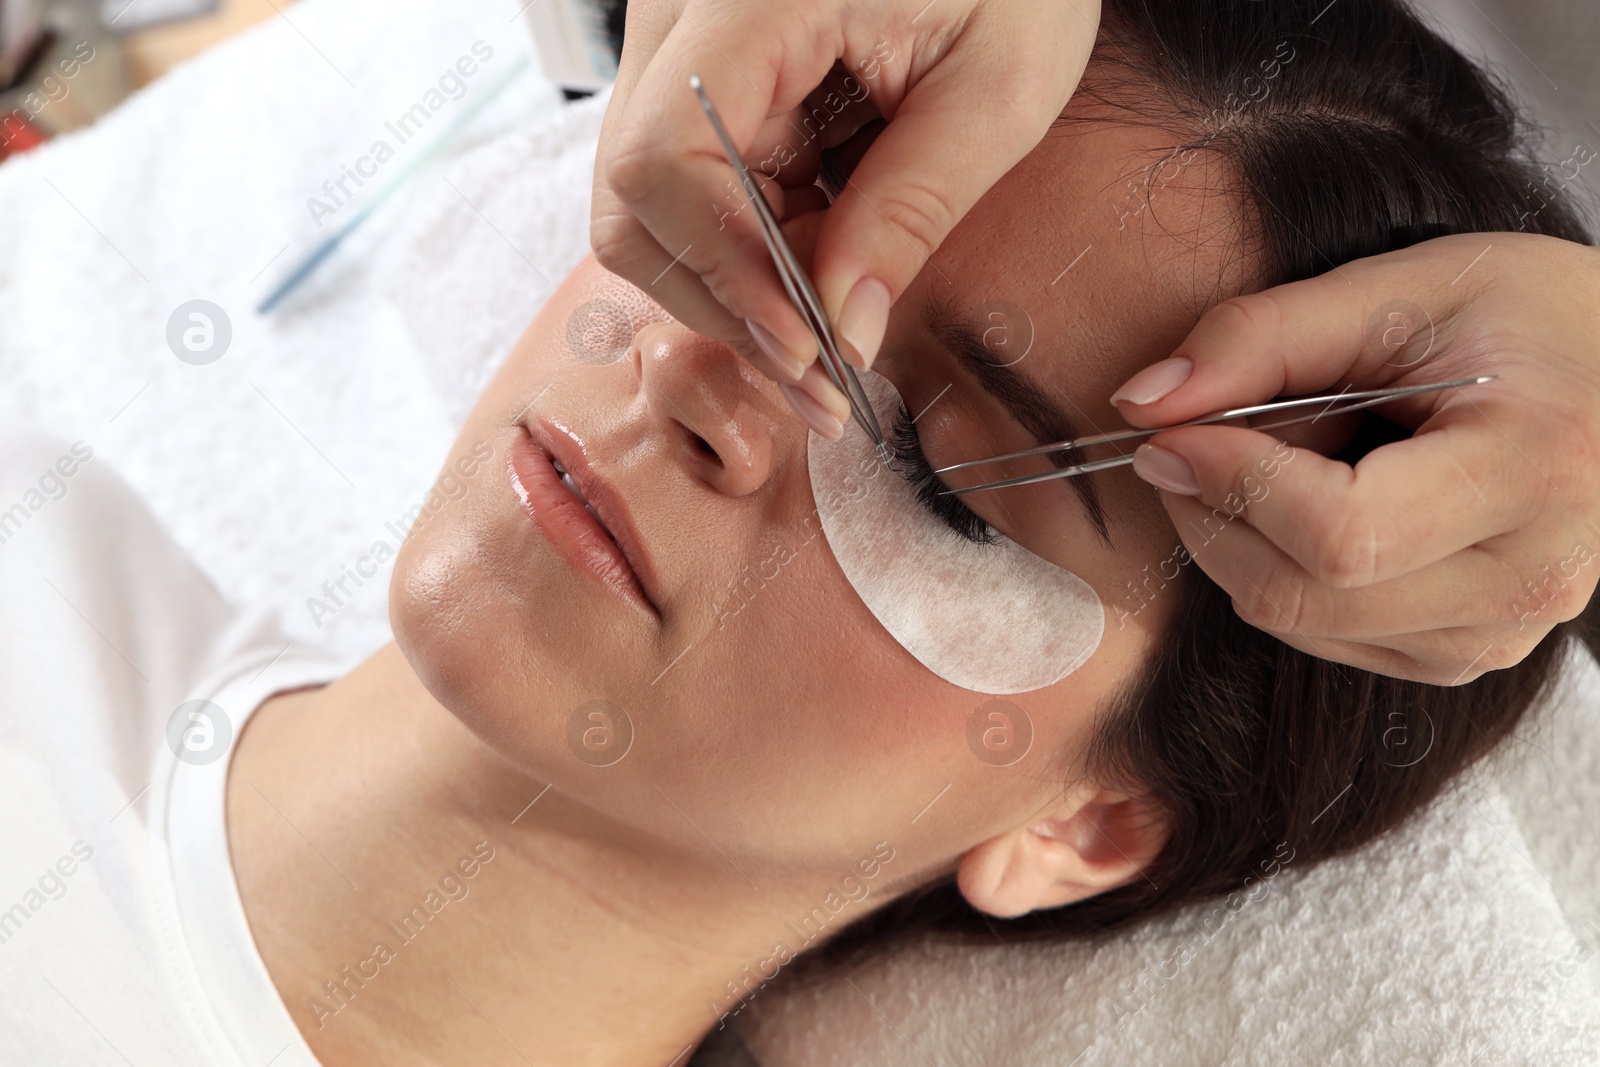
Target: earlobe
1092,841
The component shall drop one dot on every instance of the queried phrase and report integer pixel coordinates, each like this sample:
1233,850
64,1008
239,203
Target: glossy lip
611,548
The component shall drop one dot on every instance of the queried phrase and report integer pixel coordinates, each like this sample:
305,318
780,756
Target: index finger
665,164
1402,506
960,127
1370,322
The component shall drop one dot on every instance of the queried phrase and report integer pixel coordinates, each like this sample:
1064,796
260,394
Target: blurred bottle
578,41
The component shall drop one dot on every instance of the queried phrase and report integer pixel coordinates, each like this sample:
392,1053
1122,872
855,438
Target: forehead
1097,253
1108,241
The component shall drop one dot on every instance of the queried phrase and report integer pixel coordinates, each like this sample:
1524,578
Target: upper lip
607,501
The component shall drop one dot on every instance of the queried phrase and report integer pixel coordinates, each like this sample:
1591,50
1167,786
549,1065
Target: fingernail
816,384
785,360
864,318
1165,470
1154,382
812,413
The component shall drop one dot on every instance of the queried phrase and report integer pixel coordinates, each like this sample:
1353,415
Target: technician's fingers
1403,506
800,220
633,253
1461,654
1368,322
648,24
661,174
673,285
1473,588
1502,473
1436,657
968,119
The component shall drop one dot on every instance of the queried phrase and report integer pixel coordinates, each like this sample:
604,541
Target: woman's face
766,718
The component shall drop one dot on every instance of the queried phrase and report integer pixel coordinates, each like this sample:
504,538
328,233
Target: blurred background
65,62
156,34
1545,49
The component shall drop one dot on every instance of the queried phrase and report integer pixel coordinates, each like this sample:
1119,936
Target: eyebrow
1031,406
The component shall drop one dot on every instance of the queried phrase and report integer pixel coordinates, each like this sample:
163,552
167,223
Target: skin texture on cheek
992,618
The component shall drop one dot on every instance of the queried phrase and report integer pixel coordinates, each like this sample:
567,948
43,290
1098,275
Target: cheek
583,331
599,314
1144,579
797,673
828,729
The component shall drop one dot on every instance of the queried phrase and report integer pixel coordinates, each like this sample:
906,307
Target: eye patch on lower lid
992,618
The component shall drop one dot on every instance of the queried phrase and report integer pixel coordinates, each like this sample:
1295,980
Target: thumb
984,105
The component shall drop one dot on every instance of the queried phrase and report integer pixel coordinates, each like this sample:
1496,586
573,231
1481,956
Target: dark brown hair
1375,135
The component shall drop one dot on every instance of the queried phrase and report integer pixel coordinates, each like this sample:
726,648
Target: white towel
1457,940
282,463
1473,935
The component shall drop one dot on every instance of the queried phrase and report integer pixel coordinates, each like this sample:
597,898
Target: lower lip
577,535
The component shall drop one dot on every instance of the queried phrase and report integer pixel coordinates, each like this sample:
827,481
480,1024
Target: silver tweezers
796,283
1335,404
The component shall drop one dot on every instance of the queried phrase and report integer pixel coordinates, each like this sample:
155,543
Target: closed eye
913,465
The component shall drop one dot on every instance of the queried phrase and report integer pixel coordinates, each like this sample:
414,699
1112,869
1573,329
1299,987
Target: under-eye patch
993,618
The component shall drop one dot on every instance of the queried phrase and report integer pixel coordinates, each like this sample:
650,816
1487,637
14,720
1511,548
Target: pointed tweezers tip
1373,397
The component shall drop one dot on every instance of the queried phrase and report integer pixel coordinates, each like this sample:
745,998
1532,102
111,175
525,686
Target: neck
417,899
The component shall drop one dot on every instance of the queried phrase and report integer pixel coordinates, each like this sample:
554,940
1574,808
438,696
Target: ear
1091,840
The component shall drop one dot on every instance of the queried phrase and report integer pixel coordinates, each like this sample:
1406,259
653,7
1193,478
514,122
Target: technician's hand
969,87
1435,558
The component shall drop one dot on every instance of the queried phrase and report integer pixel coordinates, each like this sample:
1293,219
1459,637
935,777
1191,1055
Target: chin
456,633
437,613
478,634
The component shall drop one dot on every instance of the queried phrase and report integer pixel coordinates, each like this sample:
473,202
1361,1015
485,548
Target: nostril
704,447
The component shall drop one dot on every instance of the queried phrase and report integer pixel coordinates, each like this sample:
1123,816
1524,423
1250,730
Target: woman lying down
681,692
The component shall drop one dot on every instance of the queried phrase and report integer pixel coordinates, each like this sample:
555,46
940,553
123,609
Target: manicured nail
812,413
1154,382
781,357
816,384
1165,470
864,318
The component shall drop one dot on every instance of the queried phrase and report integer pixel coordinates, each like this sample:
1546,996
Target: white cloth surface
1473,932
122,938
339,406
1471,936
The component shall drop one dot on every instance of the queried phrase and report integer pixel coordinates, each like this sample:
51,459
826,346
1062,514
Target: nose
715,409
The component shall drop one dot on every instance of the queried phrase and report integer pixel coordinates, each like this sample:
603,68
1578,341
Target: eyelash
913,465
